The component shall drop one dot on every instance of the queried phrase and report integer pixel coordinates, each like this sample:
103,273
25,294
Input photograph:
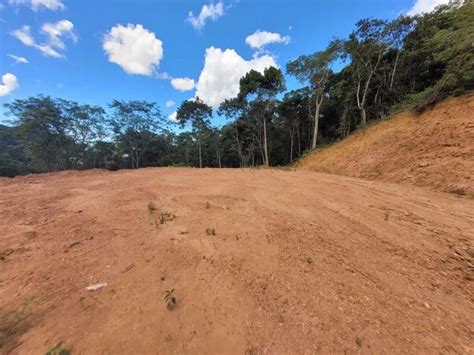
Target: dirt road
300,262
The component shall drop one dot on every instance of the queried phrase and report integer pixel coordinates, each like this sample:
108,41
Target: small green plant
358,341
151,207
166,216
386,216
208,205
58,350
170,299
210,231
309,260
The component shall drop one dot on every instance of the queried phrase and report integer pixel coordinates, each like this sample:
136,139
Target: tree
262,88
234,109
41,128
397,31
84,124
292,110
315,69
132,121
366,47
197,113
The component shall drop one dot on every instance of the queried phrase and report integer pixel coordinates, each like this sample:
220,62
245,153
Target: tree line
387,66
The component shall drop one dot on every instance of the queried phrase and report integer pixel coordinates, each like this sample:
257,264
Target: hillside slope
434,149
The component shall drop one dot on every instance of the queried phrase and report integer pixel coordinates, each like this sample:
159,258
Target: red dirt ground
301,262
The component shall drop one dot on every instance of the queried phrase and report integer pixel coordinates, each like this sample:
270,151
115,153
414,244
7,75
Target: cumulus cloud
172,117
9,83
18,59
208,12
424,6
170,103
54,33
219,79
260,39
36,4
134,48
183,84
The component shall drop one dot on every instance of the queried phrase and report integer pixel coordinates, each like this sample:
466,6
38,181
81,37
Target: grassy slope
434,149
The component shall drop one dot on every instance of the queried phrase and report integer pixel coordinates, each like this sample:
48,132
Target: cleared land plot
261,261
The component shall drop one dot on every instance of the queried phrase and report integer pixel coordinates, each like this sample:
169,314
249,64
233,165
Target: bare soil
434,149
300,262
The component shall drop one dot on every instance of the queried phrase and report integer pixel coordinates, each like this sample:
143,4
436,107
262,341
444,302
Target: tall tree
234,109
262,88
198,113
315,70
41,127
397,31
132,121
366,47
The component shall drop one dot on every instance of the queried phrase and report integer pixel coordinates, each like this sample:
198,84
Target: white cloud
54,32
47,50
219,79
424,6
58,29
183,84
21,60
208,12
260,39
170,103
9,83
172,117
24,36
135,49
36,4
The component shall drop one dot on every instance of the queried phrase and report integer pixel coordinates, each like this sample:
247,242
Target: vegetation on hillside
407,63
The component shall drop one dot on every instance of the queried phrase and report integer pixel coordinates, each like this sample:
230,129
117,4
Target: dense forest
388,66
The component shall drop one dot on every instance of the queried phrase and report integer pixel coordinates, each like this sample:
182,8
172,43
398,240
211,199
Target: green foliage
134,123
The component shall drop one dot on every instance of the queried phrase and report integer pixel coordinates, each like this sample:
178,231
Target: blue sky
96,51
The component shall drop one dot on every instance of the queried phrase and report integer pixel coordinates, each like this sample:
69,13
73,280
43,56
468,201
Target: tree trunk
265,143
299,141
200,155
219,158
137,160
316,126
291,148
239,149
363,116
394,69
